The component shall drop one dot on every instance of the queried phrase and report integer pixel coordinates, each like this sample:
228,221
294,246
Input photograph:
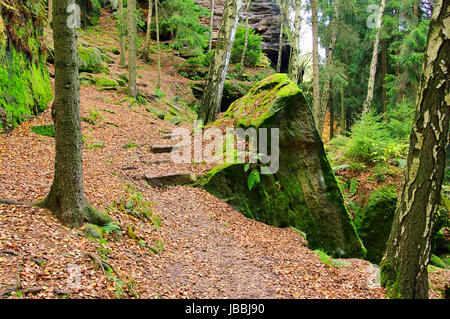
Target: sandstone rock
303,193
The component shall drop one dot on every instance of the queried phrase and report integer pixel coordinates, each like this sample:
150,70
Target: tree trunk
50,11
331,122
330,51
404,266
212,96
211,25
295,67
342,111
315,49
244,50
158,45
132,34
122,62
280,46
66,197
383,76
373,65
144,53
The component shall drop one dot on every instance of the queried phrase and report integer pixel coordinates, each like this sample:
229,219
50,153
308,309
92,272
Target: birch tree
373,63
295,59
212,96
66,197
404,265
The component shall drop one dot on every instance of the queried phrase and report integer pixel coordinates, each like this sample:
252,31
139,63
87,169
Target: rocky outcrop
264,19
24,80
303,193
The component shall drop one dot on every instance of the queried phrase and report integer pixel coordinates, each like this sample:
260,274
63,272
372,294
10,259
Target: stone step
170,179
163,148
170,137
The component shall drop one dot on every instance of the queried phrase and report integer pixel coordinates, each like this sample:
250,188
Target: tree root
8,201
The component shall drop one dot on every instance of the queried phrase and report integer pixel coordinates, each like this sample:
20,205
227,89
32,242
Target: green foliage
254,50
182,18
95,115
253,179
130,145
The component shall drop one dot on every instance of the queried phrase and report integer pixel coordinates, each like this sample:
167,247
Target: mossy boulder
303,193
102,81
92,60
25,88
373,222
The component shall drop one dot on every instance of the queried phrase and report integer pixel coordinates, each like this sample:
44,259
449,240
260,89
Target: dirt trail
210,250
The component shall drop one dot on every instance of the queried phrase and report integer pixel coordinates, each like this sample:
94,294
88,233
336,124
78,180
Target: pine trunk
144,55
122,62
158,45
50,11
330,51
404,266
315,49
132,34
66,197
212,96
383,76
373,64
342,111
244,50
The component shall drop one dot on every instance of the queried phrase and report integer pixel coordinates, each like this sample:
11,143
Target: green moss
438,262
44,130
102,81
96,217
373,223
93,231
25,88
92,60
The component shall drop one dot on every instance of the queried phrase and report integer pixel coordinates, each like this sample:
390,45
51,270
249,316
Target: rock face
303,193
264,19
24,80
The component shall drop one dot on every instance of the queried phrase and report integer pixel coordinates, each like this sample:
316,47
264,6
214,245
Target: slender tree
284,12
244,50
122,61
404,265
144,52
315,50
330,50
158,45
373,63
211,25
132,34
212,96
66,197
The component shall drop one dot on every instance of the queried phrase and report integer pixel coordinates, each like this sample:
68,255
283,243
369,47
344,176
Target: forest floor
203,247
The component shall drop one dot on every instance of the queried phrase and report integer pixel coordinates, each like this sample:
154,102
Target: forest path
210,250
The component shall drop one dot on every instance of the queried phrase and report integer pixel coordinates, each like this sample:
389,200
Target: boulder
373,222
92,60
303,193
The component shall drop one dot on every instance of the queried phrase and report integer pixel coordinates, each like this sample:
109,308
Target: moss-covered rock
102,81
303,193
92,60
373,222
25,88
